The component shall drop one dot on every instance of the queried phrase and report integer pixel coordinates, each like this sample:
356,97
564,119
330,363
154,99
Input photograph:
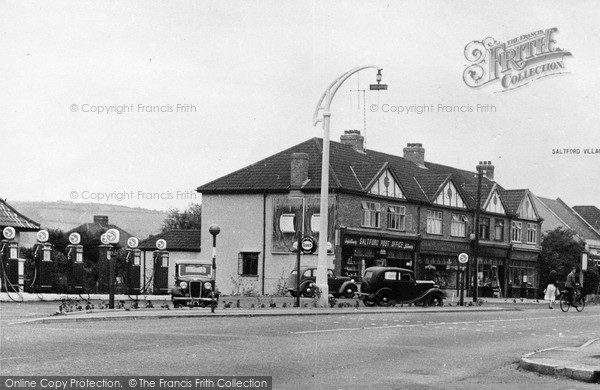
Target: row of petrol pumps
13,273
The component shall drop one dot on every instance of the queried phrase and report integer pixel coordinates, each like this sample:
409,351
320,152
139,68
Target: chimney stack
298,170
487,169
415,153
101,220
353,138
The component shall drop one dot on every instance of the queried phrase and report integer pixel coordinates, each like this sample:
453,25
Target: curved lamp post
323,106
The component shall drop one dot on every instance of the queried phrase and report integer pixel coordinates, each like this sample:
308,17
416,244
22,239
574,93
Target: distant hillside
68,215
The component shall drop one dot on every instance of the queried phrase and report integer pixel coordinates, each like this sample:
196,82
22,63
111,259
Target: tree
187,219
560,251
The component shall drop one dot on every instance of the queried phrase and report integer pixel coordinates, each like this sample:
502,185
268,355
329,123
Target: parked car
338,285
194,284
384,286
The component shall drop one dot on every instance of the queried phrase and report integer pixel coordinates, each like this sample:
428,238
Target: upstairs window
484,228
499,230
458,227
516,231
531,233
371,214
434,222
396,218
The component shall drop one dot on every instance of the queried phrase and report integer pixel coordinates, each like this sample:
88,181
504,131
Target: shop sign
374,242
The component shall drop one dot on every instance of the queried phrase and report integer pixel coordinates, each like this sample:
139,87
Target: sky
138,103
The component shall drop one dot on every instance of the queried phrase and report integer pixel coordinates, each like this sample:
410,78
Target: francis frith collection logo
516,62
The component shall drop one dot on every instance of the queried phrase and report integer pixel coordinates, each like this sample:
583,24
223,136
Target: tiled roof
512,199
590,213
11,217
570,218
182,240
350,171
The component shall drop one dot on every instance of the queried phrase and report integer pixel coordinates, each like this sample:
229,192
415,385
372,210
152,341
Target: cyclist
570,284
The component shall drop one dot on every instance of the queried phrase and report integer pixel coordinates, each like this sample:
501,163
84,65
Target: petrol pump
161,268
76,273
9,250
133,266
103,267
42,257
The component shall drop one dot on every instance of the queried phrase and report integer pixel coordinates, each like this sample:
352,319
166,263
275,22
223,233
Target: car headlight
208,286
183,285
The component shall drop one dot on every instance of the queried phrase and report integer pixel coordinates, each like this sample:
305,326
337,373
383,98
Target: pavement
579,363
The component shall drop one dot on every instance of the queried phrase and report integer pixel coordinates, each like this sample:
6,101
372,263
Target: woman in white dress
551,289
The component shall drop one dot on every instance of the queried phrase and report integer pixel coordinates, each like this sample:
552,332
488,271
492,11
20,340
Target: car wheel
368,303
308,291
349,291
435,301
384,298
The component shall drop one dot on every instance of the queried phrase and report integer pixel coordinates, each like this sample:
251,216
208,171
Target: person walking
551,289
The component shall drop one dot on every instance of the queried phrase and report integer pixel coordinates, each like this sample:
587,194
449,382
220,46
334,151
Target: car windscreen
194,270
368,274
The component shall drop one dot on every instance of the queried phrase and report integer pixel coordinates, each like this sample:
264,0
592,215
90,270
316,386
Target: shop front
491,270
439,262
523,278
361,250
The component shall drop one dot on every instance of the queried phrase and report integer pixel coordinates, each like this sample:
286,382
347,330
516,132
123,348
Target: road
395,350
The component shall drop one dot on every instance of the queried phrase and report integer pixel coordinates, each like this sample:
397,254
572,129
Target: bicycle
576,299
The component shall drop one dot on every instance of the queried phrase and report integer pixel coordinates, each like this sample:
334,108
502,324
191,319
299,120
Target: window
499,230
531,233
434,222
458,227
484,228
516,230
248,263
371,214
396,218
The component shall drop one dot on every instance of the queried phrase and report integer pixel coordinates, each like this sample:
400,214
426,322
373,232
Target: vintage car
338,285
194,284
385,286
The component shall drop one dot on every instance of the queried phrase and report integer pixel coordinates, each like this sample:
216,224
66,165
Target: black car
338,285
385,286
194,284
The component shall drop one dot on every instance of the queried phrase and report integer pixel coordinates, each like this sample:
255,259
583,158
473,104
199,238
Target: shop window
522,276
531,233
248,263
484,228
499,230
516,231
458,227
434,222
371,214
396,218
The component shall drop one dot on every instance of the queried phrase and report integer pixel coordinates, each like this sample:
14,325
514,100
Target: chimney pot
415,153
487,168
298,170
353,138
101,219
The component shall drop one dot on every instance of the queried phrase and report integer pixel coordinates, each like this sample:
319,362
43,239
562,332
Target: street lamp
214,230
323,106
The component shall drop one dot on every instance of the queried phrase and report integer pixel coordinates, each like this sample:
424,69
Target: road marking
437,323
